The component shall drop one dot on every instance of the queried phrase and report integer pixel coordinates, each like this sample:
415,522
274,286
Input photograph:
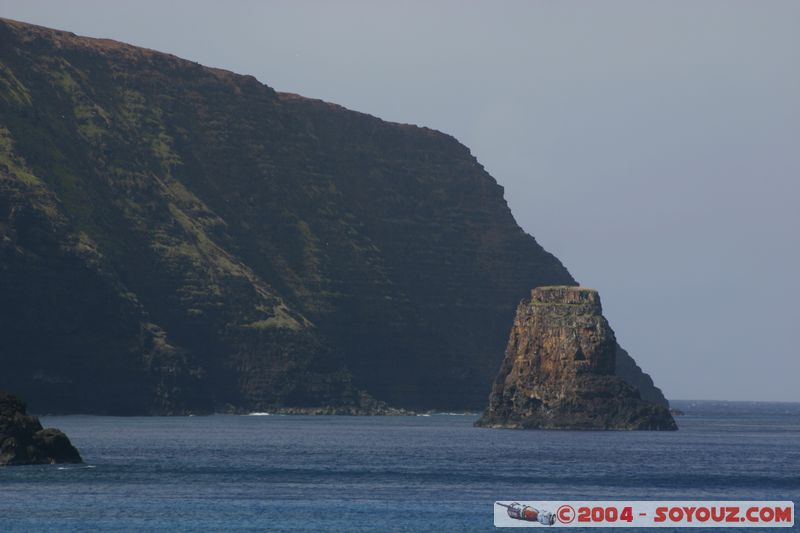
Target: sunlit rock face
558,371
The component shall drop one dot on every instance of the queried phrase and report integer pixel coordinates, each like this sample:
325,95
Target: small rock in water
23,441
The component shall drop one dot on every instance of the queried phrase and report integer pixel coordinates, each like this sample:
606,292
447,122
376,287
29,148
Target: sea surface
420,473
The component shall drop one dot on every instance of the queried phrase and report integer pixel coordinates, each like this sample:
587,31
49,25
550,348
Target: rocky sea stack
24,442
558,371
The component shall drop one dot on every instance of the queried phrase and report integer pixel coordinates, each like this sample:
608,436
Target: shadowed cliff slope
180,238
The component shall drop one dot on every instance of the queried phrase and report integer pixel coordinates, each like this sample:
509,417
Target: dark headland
182,239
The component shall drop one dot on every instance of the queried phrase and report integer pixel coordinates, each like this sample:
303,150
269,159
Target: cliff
558,371
23,441
176,238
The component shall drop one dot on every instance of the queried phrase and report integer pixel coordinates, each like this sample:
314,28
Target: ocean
419,473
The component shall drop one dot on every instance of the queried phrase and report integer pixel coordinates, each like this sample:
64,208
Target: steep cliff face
178,238
24,442
558,371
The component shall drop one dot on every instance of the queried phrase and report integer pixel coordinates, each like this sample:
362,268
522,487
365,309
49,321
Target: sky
654,147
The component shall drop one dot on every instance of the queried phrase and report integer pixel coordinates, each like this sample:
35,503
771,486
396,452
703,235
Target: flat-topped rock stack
558,371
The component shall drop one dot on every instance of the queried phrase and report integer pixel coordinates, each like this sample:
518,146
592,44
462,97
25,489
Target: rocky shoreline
340,411
360,404
336,411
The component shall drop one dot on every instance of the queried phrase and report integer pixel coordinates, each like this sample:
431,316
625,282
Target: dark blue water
434,473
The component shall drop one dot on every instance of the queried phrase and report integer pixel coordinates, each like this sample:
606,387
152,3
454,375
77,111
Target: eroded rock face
24,442
558,371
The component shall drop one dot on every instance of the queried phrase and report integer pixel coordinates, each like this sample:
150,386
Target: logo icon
527,513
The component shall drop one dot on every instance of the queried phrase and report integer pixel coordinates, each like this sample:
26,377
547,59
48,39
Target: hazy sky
654,147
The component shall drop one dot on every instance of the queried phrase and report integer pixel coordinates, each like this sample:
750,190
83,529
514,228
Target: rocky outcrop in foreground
24,442
558,371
